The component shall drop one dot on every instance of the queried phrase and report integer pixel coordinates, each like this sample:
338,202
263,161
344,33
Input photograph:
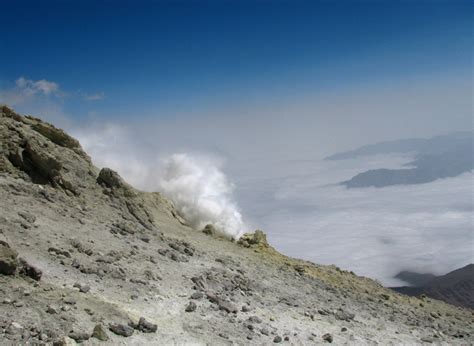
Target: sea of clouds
376,232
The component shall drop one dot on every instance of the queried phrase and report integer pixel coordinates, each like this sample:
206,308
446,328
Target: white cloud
30,95
27,90
94,97
31,87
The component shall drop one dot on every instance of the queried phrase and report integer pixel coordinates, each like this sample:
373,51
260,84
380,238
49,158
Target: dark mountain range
435,158
437,144
456,287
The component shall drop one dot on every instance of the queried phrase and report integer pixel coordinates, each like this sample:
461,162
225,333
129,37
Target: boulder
79,336
100,333
191,307
146,326
256,239
30,270
327,337
209,230
8,259
111,179
121,329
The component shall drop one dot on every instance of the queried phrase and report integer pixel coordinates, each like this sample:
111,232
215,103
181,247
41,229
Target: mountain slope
99,257
456,287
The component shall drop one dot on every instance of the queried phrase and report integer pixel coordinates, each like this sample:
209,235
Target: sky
262,90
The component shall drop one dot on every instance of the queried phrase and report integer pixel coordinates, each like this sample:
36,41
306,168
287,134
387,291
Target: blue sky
162,58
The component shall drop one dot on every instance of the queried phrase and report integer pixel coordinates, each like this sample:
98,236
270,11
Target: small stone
64,341
27,216
245,308
70,301
89,311
52,310
227,306
191,307
121,329
265,331
197,295
15,328
343,315
145,326
100,333
7,301
79,336
277,339
343,329
255,319
145,239
84,288
327,337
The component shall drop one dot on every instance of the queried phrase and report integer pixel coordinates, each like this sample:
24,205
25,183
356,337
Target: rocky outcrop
257,239
41,153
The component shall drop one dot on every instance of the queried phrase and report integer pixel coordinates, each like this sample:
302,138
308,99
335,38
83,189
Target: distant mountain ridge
435,158
456,287
437,144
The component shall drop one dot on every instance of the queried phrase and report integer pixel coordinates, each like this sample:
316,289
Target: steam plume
201,192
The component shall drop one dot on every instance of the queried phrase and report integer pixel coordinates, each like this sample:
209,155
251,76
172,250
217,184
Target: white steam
195,183
201,192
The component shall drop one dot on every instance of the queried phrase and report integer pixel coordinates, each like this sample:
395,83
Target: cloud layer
374,232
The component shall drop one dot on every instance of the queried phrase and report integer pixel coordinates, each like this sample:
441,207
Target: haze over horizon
264,91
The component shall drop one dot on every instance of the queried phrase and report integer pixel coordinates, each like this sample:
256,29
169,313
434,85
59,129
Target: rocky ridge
86,258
